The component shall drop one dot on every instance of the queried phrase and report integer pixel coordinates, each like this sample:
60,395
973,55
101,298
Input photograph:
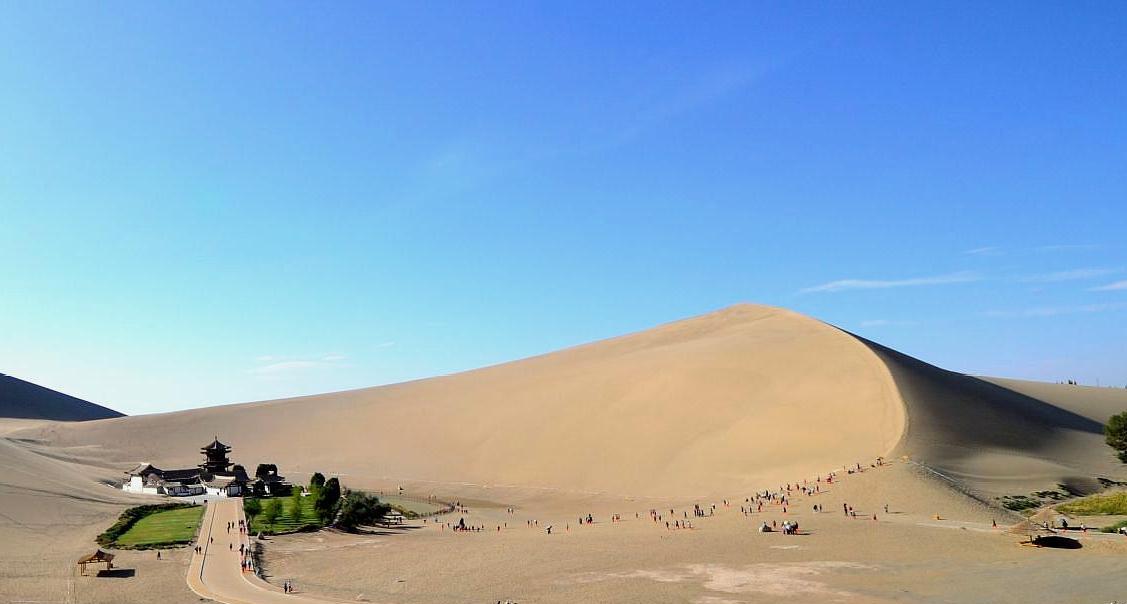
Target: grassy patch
170,527
1025,503
153,526
308,520
1104,503
1114,528
1020,503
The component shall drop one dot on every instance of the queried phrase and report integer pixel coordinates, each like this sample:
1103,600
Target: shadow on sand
117,573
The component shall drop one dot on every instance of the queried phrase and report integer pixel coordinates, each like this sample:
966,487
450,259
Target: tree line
333,506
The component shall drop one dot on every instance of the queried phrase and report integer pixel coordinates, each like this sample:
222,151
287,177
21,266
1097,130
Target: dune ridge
736,400
23,400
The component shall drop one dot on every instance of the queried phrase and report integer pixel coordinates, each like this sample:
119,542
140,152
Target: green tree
357,509
316,483
271,511
295,504
1116,433
327,498
252,507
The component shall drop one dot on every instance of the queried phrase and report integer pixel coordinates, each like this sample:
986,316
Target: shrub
1115,433
327,498
358,508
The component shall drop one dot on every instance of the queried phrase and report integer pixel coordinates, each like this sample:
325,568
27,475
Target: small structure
98,557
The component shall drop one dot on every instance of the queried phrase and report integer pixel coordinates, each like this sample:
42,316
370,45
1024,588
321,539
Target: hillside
24,400
725,403
731,401
996,436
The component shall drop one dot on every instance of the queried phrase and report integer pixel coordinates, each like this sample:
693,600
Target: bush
130,517
295,505
358,508
252,507
271,511
1115,433
327,498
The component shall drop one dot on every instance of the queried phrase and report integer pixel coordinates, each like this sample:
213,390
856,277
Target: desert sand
699,411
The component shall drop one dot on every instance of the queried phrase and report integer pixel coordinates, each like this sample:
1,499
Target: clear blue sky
209,206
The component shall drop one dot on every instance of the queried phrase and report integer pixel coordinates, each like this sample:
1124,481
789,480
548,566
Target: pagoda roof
215,445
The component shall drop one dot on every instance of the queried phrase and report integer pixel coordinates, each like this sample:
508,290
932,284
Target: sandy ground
905,555
698,411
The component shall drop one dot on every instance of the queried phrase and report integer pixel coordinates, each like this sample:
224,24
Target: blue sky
210,206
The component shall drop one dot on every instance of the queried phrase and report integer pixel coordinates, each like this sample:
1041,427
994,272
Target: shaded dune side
24,400
991,439
740,399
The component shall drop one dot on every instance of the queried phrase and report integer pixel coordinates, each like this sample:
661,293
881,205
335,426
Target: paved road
216,572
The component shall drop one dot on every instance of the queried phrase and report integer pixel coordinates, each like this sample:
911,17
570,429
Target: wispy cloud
271,366
1117,286
886,323
991,250
850,284
387,344
1070,275
1074,247
1053,311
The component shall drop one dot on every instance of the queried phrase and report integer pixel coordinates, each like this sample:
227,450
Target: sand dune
20,399
734,400
719,405
997,436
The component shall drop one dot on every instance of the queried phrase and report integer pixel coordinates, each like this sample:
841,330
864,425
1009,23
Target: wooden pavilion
98,557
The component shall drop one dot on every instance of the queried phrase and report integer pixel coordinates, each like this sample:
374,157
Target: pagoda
215,456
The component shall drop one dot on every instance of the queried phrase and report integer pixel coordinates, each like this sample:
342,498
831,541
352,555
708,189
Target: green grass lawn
285,522
170,527
1105,503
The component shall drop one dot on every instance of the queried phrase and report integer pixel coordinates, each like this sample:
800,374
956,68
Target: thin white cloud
1054,311
1117,286
850,284
1077,247
1070,275
988,250
276,366
387,344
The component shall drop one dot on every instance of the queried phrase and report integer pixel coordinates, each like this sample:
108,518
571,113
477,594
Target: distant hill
24,400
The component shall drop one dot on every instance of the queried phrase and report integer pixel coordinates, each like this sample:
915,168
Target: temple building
216,476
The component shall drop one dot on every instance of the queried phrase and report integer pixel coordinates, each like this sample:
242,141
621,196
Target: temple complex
217,476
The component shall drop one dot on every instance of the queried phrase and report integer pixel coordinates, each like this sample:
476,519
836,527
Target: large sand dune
720,405
20,399
735,400
1004,436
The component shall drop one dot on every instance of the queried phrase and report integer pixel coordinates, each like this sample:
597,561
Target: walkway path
216,572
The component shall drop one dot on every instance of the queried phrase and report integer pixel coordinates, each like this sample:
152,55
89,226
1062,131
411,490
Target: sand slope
20,399
996,436
735,400
727,402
